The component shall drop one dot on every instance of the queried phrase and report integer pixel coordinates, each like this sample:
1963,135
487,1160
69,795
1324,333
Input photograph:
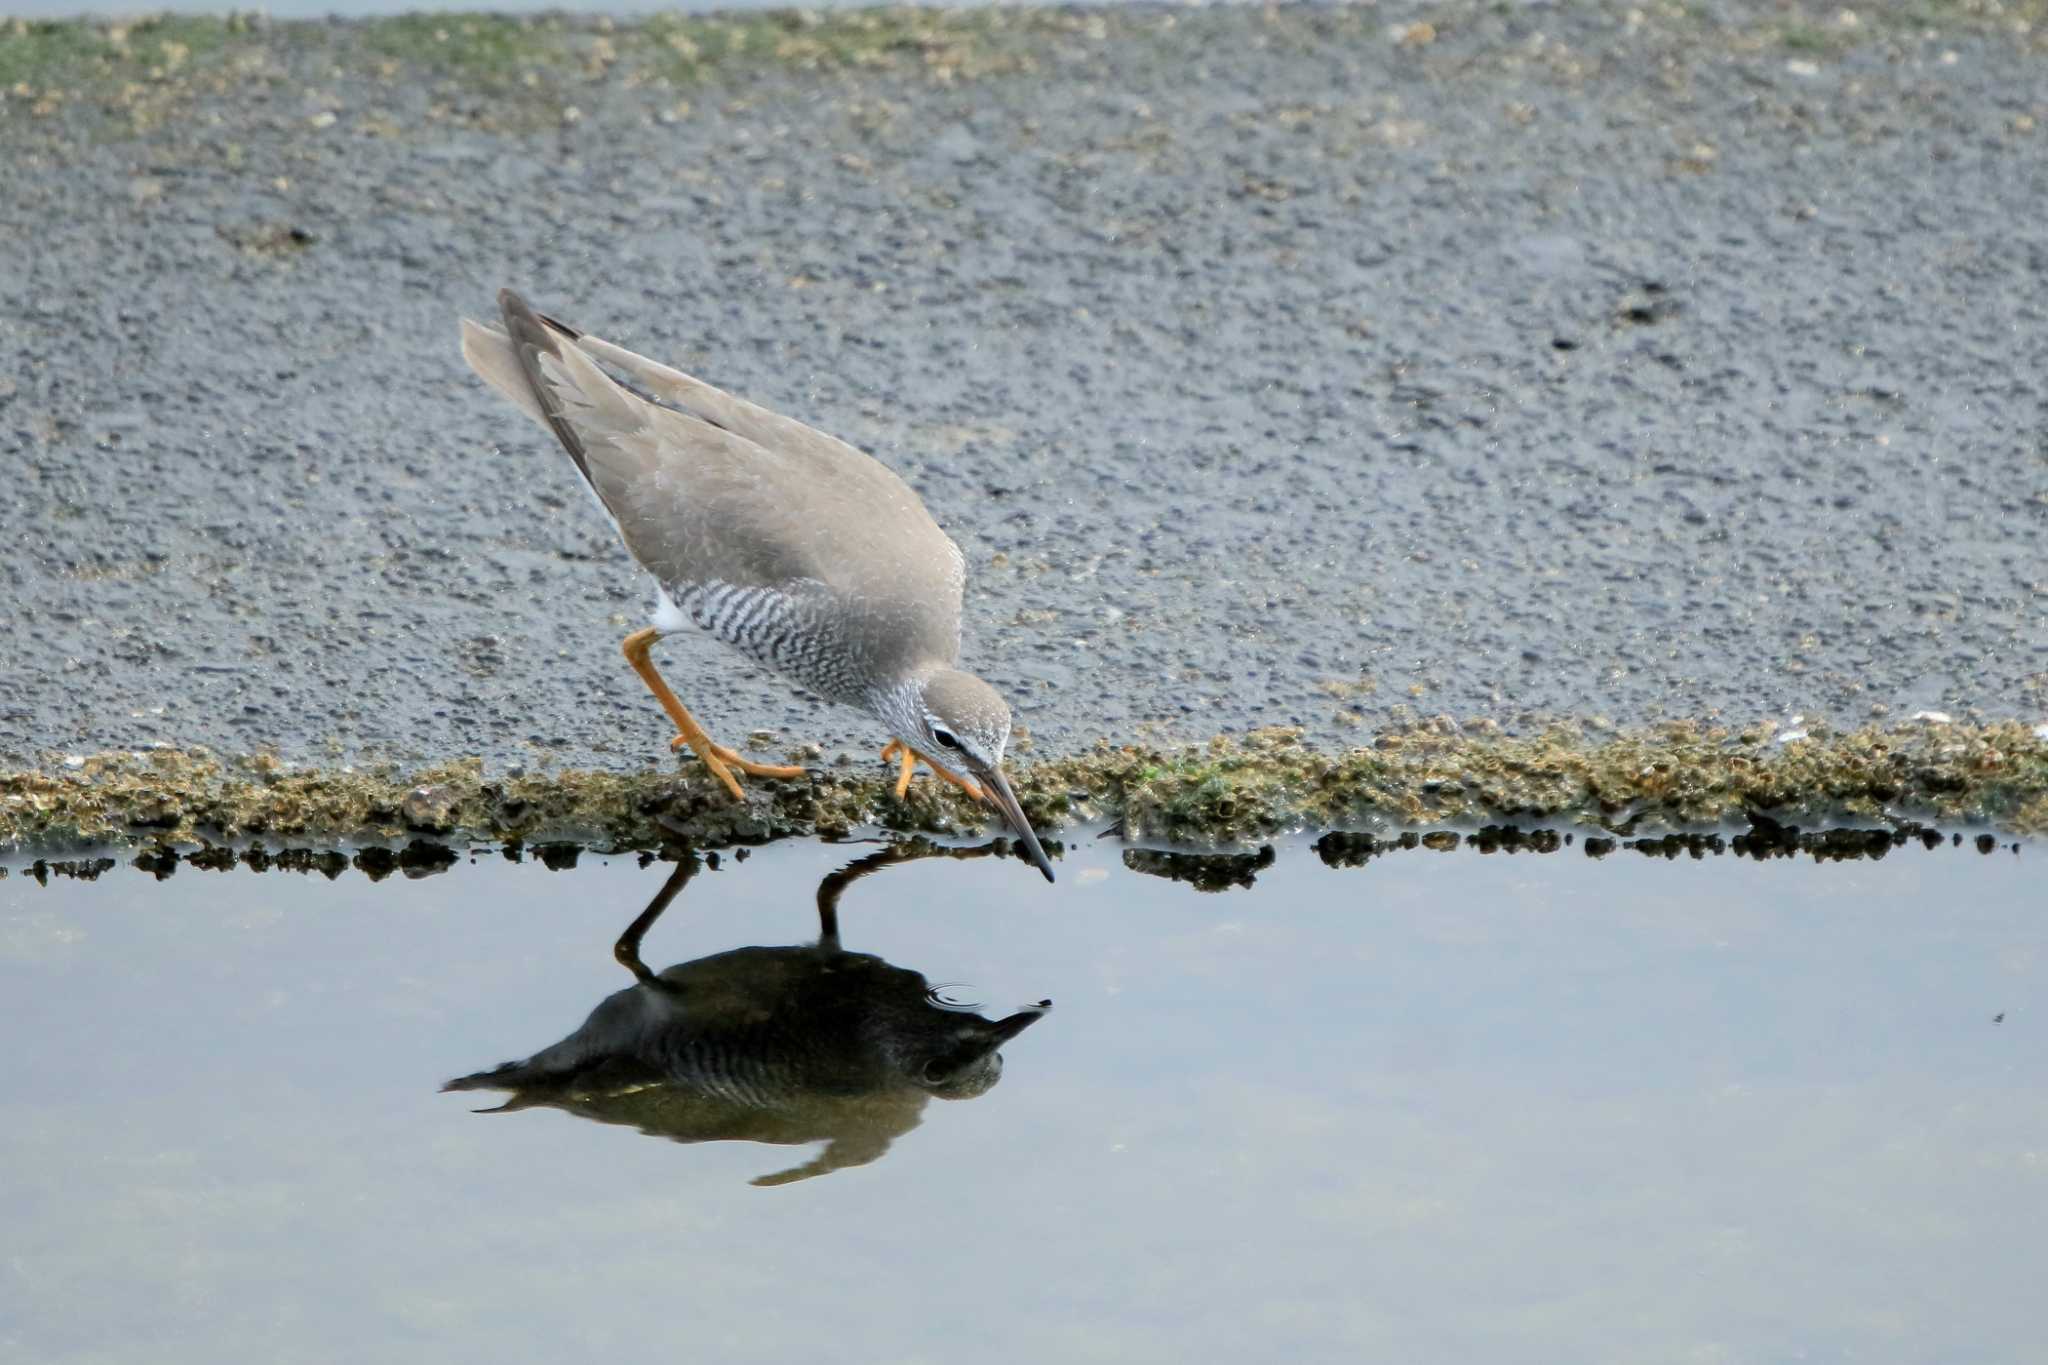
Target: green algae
1229,792
526,70
502,49
114,51
143,61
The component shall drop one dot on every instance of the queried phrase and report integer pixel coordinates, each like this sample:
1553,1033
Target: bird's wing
720,489
767,429
715,405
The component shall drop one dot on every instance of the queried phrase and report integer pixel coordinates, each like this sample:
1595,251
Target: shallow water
1443,1106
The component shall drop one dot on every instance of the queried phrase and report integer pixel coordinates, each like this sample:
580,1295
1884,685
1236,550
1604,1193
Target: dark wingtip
531,336
519,316
513,305
560,326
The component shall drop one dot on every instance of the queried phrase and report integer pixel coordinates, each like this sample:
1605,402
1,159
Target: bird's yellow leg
909,757
715,756
893,749
635,648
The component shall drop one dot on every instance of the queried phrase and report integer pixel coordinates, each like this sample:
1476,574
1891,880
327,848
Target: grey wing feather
721,490
713,404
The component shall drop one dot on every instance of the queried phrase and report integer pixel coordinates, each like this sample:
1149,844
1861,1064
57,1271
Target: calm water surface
1442,1107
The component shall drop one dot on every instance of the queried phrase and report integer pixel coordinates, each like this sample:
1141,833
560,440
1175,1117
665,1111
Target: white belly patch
667,617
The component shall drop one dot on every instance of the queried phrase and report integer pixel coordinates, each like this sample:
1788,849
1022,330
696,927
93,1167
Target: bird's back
718,497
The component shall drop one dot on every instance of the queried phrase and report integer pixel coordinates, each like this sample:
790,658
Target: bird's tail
489,352
556,385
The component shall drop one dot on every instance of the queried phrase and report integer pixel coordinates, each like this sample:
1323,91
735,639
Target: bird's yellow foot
708,752
727,758
908,757
717,757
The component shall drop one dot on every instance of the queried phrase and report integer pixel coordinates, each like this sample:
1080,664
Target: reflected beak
997,791
1003,1030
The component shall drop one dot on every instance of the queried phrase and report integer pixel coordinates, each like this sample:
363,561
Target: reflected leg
908,851
627,949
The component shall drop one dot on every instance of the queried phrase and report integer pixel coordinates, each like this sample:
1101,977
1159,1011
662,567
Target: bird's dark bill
1003,799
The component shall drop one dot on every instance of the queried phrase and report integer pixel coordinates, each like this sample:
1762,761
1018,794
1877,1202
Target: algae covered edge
1230,790
487,50
148,69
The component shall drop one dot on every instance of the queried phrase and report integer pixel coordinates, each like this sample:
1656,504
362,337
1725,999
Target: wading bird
799,551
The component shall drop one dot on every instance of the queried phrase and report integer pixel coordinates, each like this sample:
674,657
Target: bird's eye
945,738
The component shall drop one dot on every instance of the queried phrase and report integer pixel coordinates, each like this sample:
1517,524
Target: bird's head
962,1061
960,721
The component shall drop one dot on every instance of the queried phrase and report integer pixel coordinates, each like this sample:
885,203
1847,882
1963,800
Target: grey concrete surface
1267,369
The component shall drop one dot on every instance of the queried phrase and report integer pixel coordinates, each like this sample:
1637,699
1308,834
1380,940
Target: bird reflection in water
790,1045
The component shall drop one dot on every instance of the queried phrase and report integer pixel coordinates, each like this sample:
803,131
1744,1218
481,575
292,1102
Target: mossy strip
1228,792
515,69
44,52
485,51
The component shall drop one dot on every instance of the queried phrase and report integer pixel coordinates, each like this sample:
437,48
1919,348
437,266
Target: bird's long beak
997,788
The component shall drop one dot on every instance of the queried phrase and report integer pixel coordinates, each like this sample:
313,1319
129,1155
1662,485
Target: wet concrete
1271,367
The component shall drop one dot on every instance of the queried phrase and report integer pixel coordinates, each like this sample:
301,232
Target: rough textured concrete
1269,370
